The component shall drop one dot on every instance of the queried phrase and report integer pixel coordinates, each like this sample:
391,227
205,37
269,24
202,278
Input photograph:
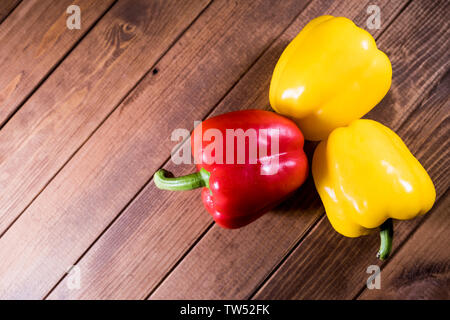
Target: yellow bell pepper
365,175
331,74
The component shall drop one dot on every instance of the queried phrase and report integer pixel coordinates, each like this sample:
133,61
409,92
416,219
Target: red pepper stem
165,180
386,235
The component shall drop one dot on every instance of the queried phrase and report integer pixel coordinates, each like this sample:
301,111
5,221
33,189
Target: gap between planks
52,69
209,226
168,158
434,96
309,229
8,9
29,95
414,103
439,200
248,62
398,251
96,129
107,116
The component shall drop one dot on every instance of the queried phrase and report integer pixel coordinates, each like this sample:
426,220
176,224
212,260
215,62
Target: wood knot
129,28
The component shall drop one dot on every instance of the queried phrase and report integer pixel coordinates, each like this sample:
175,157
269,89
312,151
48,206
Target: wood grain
160,226
124,152
153,233
334,267
102,212
6,6
84,89
418,258
37,39
421,269
224,265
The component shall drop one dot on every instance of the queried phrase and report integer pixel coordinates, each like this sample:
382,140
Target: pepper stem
191,181
386,235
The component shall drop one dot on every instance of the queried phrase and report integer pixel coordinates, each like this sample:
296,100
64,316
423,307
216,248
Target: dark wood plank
133,286
231,264
160,226
82,91
421,269
134,141
37,39
328,265
6,6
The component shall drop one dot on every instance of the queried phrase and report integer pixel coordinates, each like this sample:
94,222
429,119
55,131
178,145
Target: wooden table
86,117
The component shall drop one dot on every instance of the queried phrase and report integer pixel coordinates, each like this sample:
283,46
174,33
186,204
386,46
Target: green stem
386,235
189,182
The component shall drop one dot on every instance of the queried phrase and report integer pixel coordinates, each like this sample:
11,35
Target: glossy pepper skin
365,175
331,74
236,194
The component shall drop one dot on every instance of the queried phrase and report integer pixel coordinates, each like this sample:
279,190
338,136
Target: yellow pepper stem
386,235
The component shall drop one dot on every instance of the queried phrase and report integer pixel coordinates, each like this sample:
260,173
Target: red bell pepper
239,192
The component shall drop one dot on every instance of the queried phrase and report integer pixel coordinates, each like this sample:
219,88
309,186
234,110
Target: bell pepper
331,74
365,176
237,192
